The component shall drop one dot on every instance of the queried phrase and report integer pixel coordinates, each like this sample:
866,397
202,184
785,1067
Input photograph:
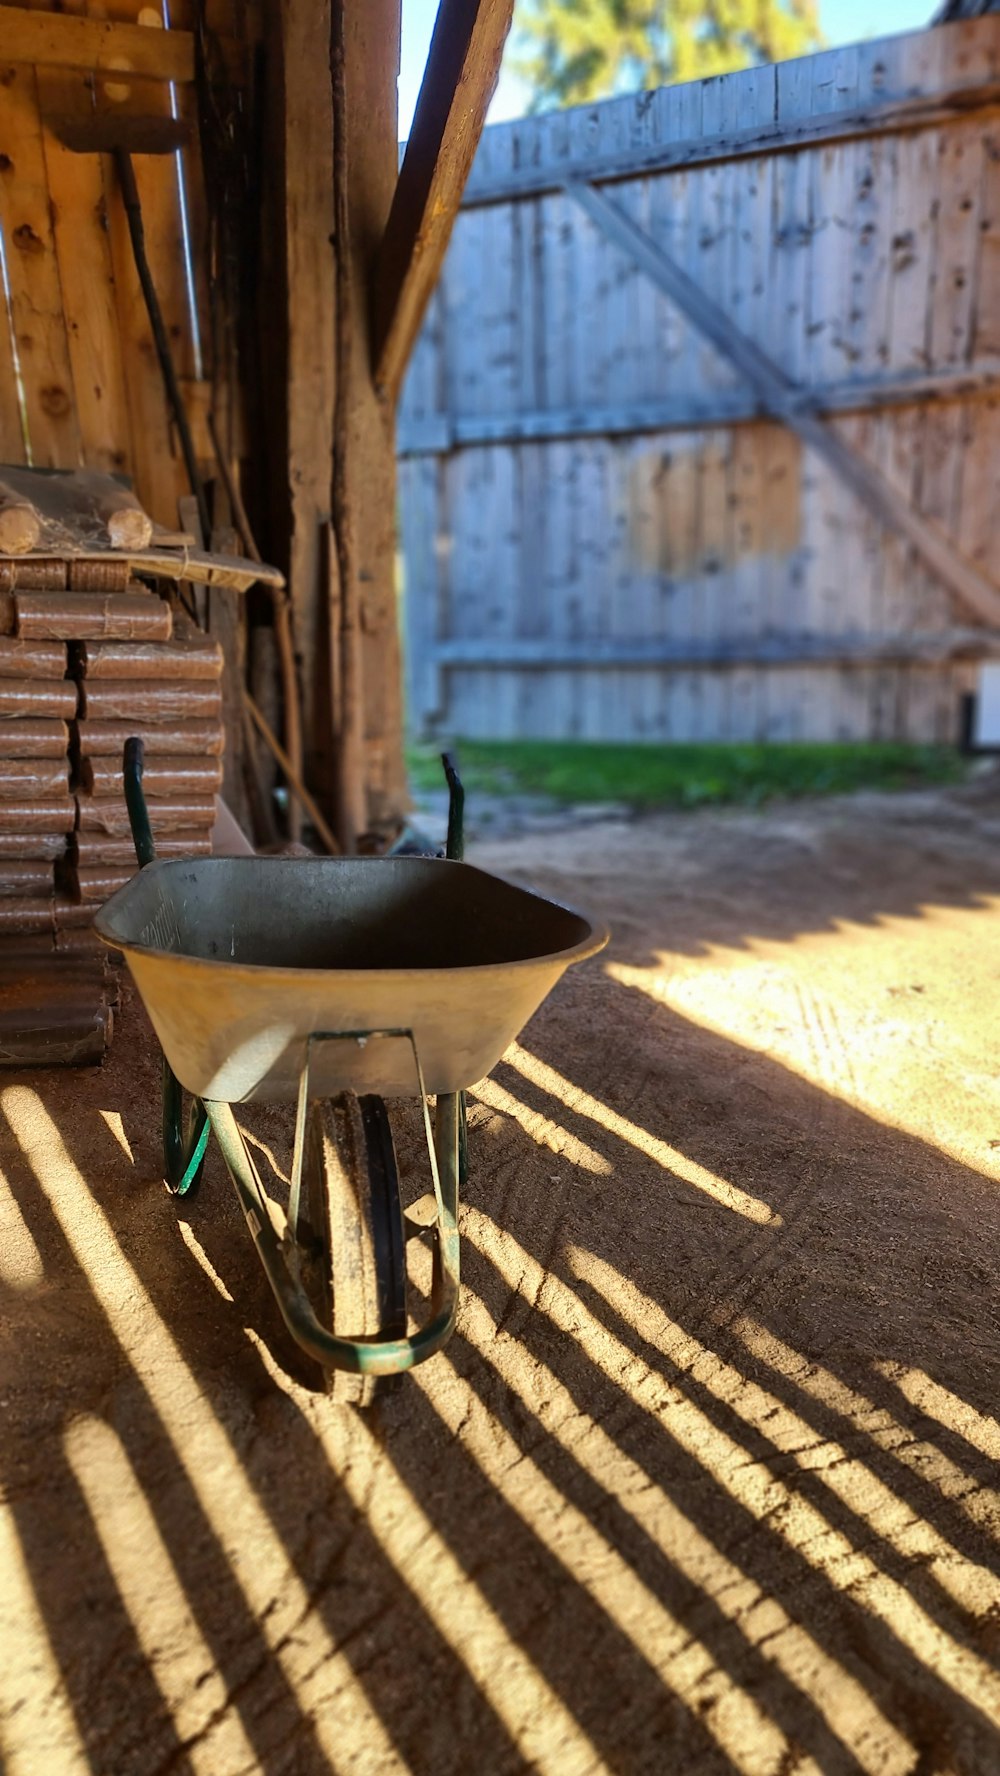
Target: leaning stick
283,637
295,783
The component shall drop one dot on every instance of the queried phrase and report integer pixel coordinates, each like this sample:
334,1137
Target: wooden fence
764,505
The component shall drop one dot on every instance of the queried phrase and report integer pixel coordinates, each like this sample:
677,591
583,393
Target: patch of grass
683,776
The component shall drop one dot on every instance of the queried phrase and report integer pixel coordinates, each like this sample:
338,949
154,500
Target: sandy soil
705,1482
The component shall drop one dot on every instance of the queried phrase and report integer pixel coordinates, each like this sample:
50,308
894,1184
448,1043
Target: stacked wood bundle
88,656
37,704
55,1010
57,991
169,694
90,653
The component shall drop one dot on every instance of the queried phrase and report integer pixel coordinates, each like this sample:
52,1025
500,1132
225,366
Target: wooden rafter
459,80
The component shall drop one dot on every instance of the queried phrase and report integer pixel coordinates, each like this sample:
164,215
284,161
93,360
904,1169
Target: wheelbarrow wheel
355,1217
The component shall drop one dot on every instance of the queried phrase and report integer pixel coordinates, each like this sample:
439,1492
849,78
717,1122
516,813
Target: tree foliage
575,51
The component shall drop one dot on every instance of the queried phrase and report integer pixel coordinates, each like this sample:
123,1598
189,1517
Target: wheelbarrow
335,983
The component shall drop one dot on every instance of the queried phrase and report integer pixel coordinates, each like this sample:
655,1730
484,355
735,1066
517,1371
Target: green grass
683,776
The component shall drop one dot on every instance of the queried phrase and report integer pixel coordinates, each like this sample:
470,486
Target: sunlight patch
730,1196
114,1122
855,1011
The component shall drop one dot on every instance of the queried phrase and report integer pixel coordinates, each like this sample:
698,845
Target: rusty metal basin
239,960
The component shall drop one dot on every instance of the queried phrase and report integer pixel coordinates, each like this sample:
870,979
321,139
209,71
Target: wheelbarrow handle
455,849
183,1148
455,842
138,814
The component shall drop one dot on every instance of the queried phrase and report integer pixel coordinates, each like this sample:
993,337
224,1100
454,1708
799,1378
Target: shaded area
705,1480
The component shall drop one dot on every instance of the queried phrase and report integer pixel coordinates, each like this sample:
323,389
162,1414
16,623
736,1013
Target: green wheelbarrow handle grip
135,801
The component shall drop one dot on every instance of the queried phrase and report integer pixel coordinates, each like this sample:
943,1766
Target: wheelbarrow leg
183,1148
348,1230
364,1357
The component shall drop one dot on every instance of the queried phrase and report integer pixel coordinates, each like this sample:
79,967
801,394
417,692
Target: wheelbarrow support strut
384,1356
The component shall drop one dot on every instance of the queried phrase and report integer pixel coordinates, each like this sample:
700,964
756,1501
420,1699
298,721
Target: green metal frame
184,1148
455,842
455,850
279,1256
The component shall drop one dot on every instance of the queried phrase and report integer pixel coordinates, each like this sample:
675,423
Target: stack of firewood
169,694
92,651
97,661
37,704
88,657
48,1014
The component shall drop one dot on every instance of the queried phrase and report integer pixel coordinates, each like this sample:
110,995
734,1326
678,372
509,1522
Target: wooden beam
300,313
549,654
438,434
371,58
886,117
461,74
796,407
55,40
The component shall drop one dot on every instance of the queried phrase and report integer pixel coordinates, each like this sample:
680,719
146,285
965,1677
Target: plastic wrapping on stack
133,614
55,1011
37,702
168,693
46,604
61,621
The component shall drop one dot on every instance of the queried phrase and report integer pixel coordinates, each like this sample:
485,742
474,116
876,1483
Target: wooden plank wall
583,487
79,381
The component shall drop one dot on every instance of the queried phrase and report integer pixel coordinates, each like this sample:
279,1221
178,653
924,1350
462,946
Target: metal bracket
388,1356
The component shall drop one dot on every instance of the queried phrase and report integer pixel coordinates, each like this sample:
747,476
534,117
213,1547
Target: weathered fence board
602,535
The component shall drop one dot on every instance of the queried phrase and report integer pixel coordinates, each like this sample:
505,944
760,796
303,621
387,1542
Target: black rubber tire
355,1219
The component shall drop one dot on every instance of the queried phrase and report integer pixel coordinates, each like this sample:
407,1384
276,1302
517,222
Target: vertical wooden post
298,321
338,454
371,66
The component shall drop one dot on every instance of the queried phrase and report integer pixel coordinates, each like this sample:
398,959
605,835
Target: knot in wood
55,401
26,240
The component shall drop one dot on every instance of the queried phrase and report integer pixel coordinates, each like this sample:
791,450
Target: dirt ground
706,1479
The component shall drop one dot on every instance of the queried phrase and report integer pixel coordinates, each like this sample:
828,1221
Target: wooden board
462,69
372,47
56,41
308,395
36,292
86,276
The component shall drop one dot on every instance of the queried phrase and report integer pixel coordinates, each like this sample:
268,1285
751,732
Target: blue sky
843,21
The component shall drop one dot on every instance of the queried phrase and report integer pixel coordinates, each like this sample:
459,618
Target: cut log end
20,530
129,528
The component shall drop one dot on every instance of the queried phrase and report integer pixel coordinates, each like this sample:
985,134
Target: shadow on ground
704,1481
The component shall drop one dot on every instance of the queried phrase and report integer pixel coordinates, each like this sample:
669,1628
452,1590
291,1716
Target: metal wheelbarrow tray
240,960
315,980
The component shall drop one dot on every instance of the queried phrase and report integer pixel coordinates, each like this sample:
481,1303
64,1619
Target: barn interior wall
79,378
78,374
